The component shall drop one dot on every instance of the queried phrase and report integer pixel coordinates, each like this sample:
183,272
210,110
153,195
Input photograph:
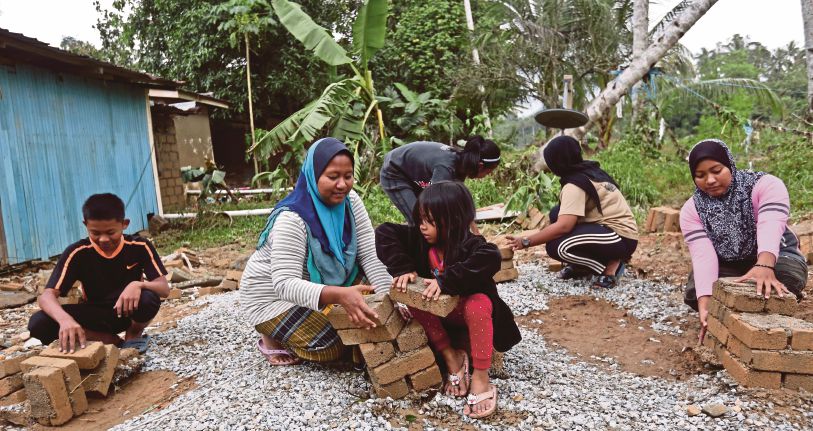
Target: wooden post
250,103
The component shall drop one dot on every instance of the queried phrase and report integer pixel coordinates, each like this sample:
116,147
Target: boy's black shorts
96,317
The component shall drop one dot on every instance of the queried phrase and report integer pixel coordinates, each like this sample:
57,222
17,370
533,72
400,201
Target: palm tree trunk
640,40
807,18
606,100
250,103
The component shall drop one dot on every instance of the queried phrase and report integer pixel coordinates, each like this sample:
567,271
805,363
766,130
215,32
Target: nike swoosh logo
129,267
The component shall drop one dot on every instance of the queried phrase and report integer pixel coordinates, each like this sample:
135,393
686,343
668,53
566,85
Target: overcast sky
771,22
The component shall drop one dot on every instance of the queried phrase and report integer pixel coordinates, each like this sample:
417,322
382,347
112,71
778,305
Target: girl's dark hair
449,206
477,150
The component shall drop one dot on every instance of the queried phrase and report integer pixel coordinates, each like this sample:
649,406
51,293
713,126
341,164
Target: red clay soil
145,392
591,327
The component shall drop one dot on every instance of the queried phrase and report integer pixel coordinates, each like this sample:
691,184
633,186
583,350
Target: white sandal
474,399
454,378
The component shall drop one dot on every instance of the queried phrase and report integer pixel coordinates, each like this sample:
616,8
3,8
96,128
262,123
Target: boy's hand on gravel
71,333
358,311
127,303
400,282
432,291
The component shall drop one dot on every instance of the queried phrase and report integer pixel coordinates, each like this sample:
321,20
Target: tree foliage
184,40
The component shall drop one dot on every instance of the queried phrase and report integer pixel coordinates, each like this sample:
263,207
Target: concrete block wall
756,339
173,195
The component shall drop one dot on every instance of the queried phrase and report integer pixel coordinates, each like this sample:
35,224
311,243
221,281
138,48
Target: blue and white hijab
729,219
331,230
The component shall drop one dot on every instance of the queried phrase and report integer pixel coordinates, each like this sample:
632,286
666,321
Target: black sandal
605,282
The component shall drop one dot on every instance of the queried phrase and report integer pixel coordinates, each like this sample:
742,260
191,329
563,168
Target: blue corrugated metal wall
63,138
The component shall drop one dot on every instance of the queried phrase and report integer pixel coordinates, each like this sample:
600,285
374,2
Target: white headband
490,160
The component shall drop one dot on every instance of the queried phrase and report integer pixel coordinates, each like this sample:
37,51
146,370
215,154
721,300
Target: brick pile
662,219
397,353
804,232
757,340
55,384
532,219
507,270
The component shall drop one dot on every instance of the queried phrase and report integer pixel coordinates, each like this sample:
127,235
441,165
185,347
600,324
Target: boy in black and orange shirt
113,268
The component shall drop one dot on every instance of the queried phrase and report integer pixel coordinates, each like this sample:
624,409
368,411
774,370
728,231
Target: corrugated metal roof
23,48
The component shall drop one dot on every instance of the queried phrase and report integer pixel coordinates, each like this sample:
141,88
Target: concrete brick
798,381
506,264
380,303
748,377
211,290
801,339
403,365
394,390
506,275
87,358
426,379
412,337
228,285
386,332
718,310
97,381
742,297
174,294
376,354
11,365
739,349
48,395
786,361
21,417
14,398
70,372
555,265
756,331
717,329
233,274
10,384
412,297
506,253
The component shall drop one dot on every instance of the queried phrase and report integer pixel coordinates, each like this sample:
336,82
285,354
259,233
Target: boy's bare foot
457,385
479,384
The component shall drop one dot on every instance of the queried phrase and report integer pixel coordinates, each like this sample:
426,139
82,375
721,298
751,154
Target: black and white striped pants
591,246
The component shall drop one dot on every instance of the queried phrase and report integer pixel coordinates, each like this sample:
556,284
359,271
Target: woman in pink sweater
735,225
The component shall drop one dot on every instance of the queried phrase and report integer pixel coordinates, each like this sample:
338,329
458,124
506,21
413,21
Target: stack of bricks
804,232
57,384
662,219
507,270
756,340
173,195
532,219
397,354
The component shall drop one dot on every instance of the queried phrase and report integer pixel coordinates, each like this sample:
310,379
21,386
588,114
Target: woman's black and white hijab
729,219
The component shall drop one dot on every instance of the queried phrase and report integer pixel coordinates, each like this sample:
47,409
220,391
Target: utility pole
476,56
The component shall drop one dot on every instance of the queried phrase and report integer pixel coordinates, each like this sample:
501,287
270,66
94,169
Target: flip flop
454,378
141,344
474,399
270,353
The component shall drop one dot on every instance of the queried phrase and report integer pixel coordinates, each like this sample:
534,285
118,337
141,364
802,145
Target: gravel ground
549,388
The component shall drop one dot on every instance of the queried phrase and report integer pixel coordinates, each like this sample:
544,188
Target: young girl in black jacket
440,247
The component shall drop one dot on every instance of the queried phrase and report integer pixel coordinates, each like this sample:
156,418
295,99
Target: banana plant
347,109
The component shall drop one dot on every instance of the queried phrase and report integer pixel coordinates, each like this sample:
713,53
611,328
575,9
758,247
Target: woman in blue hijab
314,248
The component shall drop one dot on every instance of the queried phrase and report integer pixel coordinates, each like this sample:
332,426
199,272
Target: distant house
182,136
70,126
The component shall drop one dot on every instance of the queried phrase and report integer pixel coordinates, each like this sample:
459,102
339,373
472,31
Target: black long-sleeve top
403,250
